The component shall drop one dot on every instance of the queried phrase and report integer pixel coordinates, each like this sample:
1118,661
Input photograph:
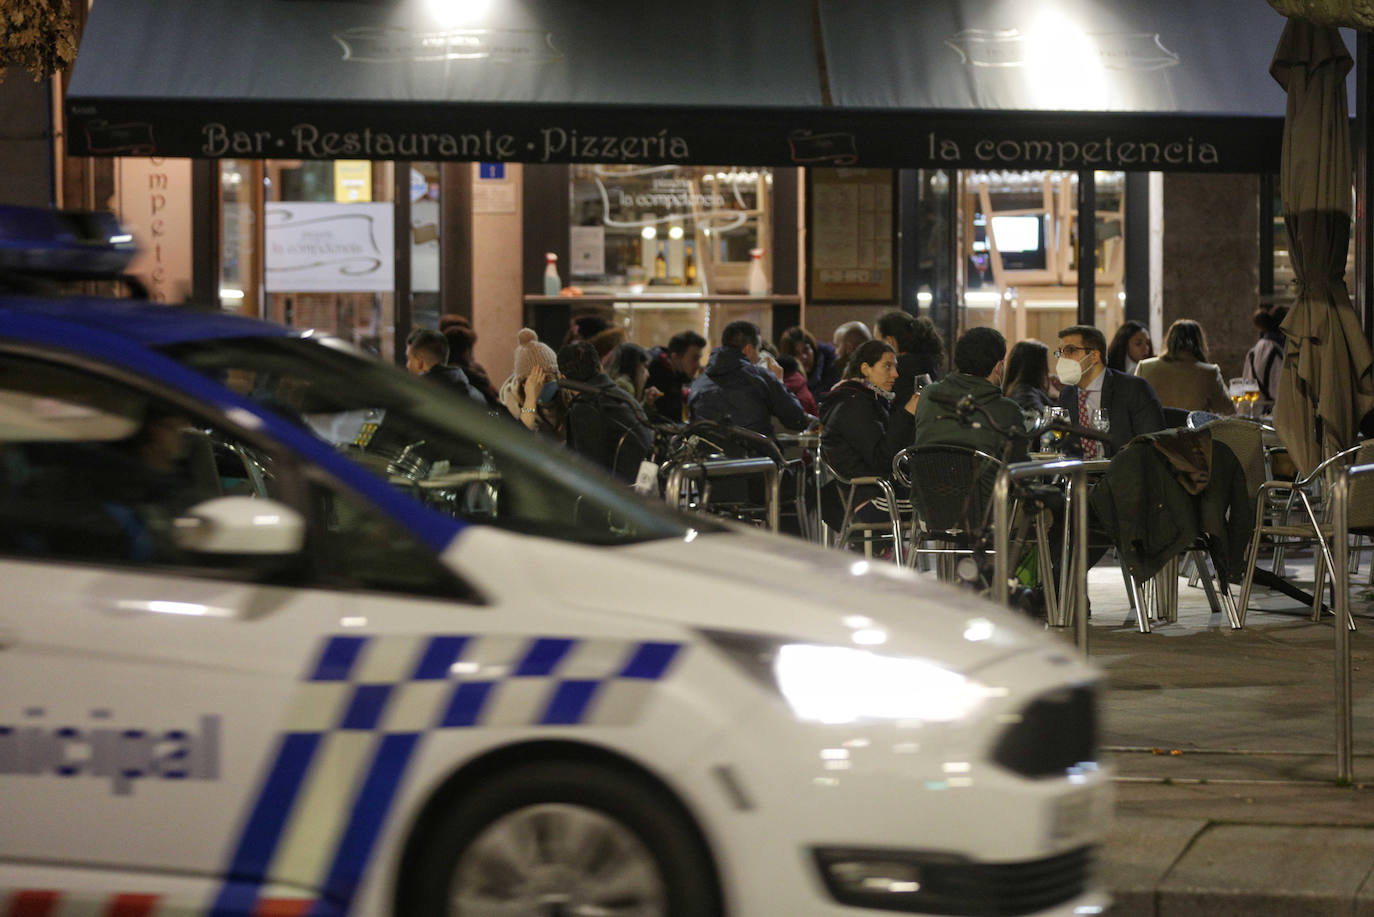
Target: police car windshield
440,447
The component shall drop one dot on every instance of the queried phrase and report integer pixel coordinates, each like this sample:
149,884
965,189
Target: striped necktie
1092,449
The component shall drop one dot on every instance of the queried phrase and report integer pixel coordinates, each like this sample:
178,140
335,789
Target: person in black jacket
920,350
427,356
862,429
735,390
672,371
1132,406
605,424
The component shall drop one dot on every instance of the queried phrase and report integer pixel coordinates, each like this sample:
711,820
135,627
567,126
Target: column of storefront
1211,260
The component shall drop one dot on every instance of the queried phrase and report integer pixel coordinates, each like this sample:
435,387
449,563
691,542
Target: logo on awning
1013,48
388,45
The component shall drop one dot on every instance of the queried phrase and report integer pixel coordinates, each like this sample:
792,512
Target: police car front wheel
566,838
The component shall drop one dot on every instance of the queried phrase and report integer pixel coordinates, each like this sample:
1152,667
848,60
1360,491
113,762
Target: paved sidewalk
1224,745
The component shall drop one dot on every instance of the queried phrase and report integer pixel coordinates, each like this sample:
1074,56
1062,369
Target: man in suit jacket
1132,406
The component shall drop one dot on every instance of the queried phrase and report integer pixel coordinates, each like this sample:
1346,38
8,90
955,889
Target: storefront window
424,244
683,232
310,245
1020,251
238,275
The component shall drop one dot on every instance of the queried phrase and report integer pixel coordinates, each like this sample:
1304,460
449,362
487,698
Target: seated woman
795,382
1130,345
531,393
817,361
1028,376
862,430
1182,377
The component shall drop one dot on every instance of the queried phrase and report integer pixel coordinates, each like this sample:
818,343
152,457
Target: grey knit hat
531,352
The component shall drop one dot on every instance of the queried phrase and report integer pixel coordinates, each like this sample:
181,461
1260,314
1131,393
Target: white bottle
553,284
758,280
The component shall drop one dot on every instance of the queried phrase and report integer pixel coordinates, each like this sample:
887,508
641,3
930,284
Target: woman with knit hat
523,394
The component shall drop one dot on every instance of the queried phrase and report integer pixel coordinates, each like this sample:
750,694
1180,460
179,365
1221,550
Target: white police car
287,632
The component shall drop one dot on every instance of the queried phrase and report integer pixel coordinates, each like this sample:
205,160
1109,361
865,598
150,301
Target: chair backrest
1360,505
951,486
1246,441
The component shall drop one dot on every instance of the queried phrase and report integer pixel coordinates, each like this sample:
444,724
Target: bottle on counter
758,280
553,284
660,264
689,266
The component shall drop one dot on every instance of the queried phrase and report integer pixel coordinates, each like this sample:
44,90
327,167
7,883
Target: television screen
1017,234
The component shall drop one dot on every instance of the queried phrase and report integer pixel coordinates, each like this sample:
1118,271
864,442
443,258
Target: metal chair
951,501
723,469
890,529
1245,440
1313,525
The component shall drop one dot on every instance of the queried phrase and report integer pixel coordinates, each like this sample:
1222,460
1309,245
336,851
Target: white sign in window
329,248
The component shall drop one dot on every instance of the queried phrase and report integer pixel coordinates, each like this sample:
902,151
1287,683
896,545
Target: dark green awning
1170,85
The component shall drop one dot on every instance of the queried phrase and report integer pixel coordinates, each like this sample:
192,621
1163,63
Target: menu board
851,235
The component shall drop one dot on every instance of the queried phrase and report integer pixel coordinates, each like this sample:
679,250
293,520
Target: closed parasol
1326,387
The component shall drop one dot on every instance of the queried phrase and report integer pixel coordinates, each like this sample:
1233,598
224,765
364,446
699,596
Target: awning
1172,85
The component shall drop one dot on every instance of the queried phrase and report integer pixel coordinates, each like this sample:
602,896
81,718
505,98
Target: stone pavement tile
1138,854
1269,804
1268,871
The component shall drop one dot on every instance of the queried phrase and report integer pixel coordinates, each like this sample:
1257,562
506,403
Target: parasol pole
1364,184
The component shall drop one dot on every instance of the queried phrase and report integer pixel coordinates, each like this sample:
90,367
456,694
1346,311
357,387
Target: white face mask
1068,371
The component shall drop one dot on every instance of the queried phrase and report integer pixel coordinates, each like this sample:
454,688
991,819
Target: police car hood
763,584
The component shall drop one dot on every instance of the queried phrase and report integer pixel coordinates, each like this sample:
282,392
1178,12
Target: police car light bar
63,243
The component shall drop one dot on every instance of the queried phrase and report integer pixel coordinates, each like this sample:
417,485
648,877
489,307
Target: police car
286,631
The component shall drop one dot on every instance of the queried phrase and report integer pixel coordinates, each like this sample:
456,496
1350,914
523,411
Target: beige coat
1183,382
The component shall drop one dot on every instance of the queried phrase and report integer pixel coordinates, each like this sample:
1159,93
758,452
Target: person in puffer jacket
861,430
735,390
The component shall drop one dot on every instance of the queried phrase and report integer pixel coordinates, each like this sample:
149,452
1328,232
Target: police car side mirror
244,526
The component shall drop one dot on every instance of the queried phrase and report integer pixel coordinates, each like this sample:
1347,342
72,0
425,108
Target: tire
566,838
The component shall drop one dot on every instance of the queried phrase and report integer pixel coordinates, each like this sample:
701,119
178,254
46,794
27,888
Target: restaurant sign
690,136
329,248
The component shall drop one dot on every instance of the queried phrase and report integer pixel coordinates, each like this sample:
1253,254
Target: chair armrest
882,484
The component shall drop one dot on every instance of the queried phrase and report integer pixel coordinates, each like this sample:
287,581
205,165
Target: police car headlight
840,684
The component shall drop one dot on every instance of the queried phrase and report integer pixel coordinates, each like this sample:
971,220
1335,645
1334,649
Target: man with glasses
1131,405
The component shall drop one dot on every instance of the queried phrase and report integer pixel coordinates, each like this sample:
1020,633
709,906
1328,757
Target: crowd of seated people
871,390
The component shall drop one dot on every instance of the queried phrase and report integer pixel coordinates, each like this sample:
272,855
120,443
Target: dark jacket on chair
1166,491
610,428
1133,409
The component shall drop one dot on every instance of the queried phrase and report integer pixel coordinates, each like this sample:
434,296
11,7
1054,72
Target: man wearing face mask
1132,406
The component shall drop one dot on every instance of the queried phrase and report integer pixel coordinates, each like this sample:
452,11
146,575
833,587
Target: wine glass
1101,422
1250,397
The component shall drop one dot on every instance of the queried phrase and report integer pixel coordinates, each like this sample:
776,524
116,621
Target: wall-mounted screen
1018,233
1020,240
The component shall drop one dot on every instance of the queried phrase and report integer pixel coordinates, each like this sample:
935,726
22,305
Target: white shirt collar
1096,384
